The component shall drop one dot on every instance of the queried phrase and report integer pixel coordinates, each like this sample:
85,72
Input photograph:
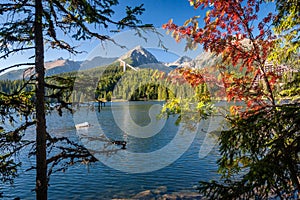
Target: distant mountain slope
205,59
96,62
13,75
59,66
183,61
52,67
136,57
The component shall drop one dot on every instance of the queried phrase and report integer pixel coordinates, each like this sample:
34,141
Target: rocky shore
161,193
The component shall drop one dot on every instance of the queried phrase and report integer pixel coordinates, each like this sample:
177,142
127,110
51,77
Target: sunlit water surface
98,181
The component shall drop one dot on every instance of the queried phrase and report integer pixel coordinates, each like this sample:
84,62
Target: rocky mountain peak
183,59
139,56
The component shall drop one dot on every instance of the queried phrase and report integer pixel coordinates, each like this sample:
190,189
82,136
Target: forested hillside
112,83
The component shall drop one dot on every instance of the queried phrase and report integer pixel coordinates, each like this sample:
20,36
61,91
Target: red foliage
229,31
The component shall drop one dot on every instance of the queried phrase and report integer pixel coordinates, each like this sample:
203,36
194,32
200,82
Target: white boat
82,125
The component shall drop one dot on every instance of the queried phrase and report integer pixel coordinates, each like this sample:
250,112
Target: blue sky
157,13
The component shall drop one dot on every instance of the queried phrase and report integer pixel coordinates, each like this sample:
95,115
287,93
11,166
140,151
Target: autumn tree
260,151
34,26
287,30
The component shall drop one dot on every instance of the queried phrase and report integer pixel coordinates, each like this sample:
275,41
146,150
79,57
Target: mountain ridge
137,57
58,66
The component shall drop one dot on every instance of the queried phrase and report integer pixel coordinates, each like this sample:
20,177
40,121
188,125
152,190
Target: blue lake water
150,161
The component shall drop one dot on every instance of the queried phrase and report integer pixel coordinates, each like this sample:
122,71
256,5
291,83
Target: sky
157,12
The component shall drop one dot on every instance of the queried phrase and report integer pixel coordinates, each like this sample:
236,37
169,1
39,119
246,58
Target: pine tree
40,24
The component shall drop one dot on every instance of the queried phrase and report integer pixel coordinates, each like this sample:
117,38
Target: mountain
52,67
13,75
183,61
96,62
138,56
59,66
205,59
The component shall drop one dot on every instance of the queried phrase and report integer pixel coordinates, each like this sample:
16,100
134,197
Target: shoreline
161,193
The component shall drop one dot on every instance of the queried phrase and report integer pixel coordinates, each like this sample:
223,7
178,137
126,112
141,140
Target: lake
158,153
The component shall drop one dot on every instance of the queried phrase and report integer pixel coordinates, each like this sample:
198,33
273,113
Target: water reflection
99,181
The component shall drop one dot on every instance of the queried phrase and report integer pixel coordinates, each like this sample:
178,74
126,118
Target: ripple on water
100,182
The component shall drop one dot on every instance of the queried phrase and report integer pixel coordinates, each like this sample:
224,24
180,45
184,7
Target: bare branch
16,65
80,23
7,54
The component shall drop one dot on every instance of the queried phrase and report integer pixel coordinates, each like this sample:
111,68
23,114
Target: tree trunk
41,165
271,95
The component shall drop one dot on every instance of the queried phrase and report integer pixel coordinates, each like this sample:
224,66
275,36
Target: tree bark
41,164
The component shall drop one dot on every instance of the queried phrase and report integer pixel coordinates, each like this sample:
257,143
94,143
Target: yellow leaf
187,22
207,13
